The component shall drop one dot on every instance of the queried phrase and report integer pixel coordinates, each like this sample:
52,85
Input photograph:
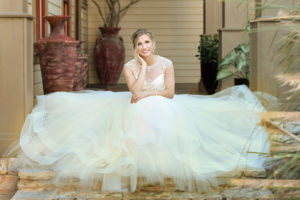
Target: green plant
208,49
239,59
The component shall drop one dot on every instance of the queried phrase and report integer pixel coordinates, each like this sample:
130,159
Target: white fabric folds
99,136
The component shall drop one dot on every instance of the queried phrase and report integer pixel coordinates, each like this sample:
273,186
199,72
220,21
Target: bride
117,137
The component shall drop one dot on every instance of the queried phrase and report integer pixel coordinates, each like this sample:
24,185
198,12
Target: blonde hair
139,33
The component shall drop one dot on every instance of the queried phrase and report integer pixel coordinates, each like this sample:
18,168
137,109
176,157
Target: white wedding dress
100,135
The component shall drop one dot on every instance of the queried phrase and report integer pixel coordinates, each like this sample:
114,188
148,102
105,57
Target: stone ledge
6,196
265,183
41,180
256,173
36,174
233,193
8,184
5,163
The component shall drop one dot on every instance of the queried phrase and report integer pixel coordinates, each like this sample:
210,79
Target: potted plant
208,55
236,63
109,51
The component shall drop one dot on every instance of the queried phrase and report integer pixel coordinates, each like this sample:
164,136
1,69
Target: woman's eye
147,42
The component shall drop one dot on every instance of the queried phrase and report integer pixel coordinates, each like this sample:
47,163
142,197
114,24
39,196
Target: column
16,69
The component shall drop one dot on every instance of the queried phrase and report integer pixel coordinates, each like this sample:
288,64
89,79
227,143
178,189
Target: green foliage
239,59
208,49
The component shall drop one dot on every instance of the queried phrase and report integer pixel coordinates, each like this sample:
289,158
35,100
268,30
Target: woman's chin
144,55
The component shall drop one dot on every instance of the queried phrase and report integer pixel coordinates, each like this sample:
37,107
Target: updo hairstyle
139,33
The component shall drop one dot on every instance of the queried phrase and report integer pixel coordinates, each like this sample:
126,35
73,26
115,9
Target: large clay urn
58,55
109,56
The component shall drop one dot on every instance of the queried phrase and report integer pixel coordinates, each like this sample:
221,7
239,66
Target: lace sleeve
166,63
132,66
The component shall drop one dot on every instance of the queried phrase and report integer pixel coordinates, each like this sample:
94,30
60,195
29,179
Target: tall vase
58,54
109,56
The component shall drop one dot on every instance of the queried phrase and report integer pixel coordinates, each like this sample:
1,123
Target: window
67,12
41,6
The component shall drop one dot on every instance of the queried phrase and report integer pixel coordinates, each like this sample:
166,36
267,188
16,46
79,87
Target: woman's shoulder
131,63
165,61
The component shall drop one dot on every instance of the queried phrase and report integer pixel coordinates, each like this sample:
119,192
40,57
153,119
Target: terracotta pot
58,54
109,56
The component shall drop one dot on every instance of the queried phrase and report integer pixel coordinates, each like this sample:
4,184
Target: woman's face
144,46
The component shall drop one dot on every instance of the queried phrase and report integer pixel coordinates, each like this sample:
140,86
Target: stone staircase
8,180
36,184
237,185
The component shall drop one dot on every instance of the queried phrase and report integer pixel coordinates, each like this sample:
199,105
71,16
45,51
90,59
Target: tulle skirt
100,136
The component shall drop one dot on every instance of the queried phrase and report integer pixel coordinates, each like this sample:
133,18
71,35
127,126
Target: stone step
36,174
242,189
285,148
234,194
5,163
8,184
34,179
6,196
265,183
31,180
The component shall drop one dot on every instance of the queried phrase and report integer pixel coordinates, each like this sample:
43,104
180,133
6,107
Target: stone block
36,174
32,195
31,185
8,184
6,196
255,172
99,195
223,181
265,183
286,194
231,174
5,163
247,194
147,195
195,196
167,186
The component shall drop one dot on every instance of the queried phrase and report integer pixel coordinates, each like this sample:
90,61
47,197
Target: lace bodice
155,74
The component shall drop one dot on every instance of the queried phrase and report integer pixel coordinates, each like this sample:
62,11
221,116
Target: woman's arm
135,85
168,92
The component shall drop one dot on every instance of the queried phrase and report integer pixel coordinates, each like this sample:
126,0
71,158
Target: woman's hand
140,60
138,96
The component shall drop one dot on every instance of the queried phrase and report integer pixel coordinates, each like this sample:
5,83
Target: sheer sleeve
132,65
166,62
